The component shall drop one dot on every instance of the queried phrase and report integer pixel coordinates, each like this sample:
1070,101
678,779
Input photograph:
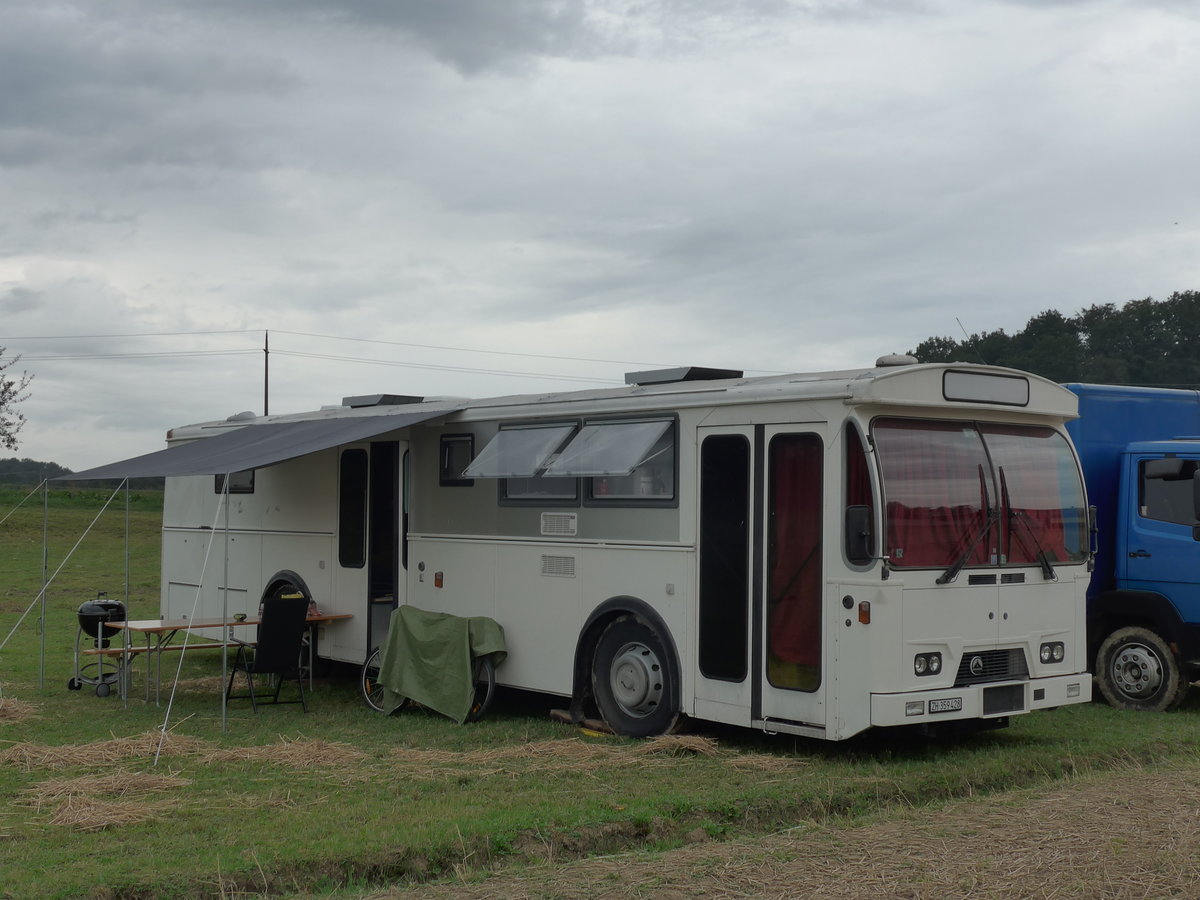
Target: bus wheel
633,679
1137,670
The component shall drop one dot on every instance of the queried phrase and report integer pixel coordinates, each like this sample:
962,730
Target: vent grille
560,524
1007,698
993,665
558,566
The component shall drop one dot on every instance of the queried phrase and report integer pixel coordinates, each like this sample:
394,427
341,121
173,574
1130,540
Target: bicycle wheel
372,690
484,671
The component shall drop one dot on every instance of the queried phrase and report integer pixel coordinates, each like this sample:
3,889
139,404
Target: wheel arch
1114,610
589,635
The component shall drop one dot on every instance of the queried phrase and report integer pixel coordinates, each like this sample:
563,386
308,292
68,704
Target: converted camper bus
812,554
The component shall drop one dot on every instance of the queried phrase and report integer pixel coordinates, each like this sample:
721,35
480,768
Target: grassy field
342,802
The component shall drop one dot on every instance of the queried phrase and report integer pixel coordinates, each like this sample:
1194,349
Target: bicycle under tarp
441,661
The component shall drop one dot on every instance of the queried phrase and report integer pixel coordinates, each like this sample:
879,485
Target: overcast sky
419,196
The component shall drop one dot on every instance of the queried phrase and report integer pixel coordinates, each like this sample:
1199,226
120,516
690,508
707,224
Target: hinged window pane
608,448
517,452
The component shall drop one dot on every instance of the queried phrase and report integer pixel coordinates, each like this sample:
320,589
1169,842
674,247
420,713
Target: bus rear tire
1136,670
634,679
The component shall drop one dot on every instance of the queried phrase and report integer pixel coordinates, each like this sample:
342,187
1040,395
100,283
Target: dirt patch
1131,834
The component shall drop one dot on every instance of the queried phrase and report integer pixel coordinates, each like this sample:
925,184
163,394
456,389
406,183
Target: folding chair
277,651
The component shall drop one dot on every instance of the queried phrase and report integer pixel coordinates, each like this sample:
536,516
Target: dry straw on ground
116,785
95,802
100,753
297,754
91,814
15,711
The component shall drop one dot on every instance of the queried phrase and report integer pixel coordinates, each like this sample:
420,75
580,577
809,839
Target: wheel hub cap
1137,670
636,679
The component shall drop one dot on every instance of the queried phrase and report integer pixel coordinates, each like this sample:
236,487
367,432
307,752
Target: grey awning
255,446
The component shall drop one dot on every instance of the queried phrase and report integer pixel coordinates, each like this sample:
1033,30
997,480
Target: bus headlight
927,663
1053,652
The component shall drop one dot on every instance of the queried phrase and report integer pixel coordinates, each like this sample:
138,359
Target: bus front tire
1136,670
634,680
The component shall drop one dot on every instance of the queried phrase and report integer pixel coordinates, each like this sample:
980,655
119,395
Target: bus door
725,579
789,623
759,644
372,518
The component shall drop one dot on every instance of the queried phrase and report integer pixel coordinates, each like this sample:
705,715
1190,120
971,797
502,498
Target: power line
4,341
88,337
162,355
617,362
463,369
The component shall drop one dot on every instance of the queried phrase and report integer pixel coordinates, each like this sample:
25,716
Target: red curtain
1032,460
935,494
794,590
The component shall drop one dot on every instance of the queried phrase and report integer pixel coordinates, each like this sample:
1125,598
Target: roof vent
895,359
380,400
244,416
683,373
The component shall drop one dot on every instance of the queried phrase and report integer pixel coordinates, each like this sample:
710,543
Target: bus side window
860,550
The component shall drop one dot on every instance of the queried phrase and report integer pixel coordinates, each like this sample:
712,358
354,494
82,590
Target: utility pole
266,371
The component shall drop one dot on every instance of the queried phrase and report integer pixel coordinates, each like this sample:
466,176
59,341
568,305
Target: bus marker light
864,612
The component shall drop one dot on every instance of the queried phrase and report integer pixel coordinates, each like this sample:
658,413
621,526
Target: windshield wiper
1019,515
993,516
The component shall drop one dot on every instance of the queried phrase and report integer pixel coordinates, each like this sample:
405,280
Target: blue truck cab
1140,453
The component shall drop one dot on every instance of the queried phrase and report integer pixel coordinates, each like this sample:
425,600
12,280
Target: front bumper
979,701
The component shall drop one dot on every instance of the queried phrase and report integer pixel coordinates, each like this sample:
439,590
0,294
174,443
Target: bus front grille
982,666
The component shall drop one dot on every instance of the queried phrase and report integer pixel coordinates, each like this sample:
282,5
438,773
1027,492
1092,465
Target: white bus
812,554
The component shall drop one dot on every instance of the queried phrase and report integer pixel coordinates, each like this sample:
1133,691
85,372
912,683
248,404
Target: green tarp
427,658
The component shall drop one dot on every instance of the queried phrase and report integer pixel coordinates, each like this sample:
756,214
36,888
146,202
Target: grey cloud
21,299
79,81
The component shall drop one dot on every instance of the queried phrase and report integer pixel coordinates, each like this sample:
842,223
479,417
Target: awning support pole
45,582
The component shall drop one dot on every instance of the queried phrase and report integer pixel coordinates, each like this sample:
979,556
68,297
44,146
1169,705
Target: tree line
1144,342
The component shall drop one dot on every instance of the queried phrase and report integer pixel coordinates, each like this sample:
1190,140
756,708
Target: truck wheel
1137,670
633,679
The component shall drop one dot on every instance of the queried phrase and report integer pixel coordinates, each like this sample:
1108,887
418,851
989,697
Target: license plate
950,704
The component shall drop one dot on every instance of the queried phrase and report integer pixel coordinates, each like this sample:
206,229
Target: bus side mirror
858,537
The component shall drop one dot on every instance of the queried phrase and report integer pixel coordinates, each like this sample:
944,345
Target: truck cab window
1165,492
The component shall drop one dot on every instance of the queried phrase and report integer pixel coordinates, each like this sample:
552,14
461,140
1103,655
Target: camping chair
277,651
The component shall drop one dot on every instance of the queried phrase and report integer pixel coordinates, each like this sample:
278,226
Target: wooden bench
134,651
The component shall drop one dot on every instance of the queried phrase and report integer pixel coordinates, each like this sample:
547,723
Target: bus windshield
963,494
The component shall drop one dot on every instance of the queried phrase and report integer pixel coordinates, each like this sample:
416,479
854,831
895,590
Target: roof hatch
365,400
683,373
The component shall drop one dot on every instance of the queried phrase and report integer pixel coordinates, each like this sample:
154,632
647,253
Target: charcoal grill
95,632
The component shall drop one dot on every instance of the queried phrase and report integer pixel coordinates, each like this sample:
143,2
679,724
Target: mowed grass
342,802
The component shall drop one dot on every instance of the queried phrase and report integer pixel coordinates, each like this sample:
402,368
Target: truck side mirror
858,537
